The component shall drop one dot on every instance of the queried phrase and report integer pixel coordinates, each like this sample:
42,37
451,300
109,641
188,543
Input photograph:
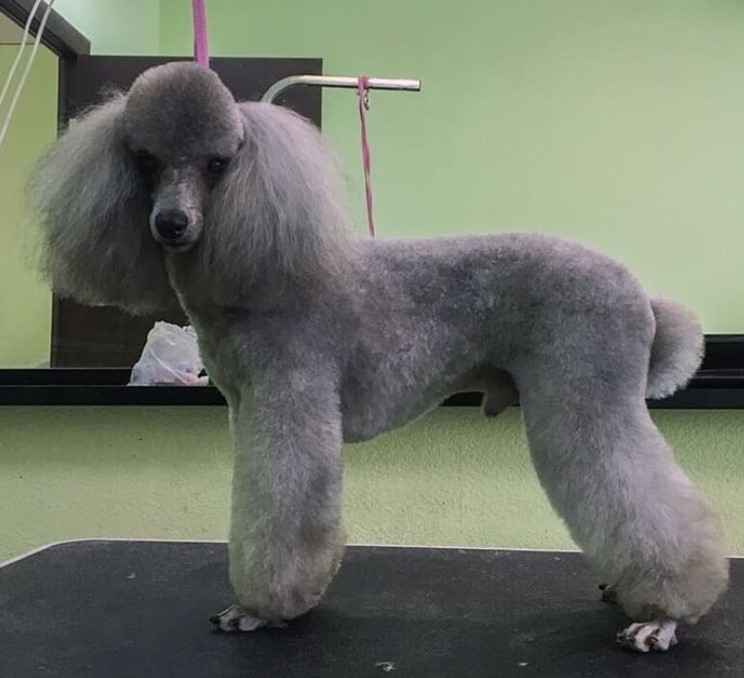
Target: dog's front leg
286,539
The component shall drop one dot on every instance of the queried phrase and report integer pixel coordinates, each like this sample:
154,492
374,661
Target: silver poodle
175,194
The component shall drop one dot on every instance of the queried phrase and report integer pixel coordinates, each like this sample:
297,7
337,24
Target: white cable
21,46
26,71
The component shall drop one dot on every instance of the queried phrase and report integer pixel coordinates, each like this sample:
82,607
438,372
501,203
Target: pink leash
363,92
201,48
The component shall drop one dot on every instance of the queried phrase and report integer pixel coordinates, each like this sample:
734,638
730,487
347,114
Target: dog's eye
216,166
146,162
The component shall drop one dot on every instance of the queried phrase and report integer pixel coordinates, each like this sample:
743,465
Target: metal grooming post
333,81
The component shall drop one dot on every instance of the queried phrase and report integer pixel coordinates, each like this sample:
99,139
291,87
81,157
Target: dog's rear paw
646,636
235,618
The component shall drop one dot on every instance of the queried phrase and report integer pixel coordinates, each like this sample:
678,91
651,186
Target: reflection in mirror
25,301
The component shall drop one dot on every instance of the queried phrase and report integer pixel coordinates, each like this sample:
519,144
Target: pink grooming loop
201,48
363,92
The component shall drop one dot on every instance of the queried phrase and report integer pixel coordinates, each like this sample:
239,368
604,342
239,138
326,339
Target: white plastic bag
170,358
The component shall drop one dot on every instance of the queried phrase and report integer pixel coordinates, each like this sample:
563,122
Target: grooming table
134,609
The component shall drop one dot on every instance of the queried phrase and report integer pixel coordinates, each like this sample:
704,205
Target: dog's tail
677,350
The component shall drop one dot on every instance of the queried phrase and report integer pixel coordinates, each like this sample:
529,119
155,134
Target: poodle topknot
176,194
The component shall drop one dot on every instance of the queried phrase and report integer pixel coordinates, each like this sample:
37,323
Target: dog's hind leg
286,539
644,527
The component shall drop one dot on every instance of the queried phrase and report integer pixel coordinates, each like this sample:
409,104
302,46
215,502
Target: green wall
115,26
453,478
615,121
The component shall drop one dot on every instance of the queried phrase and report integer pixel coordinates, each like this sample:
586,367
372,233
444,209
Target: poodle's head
183,128
176,174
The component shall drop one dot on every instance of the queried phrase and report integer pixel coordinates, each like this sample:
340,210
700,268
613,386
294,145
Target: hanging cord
201,46
29,63
363,92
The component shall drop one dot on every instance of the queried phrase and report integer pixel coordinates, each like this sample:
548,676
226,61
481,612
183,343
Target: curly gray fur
298,226
89,197
317,337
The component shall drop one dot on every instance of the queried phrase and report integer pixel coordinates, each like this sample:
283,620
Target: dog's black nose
171,224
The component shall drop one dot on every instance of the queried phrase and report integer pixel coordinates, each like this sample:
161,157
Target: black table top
141,609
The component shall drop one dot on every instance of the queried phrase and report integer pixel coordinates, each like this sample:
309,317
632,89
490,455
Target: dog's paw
646,636
235,618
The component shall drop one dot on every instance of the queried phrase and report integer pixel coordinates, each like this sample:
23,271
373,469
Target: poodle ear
93,211
277,220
